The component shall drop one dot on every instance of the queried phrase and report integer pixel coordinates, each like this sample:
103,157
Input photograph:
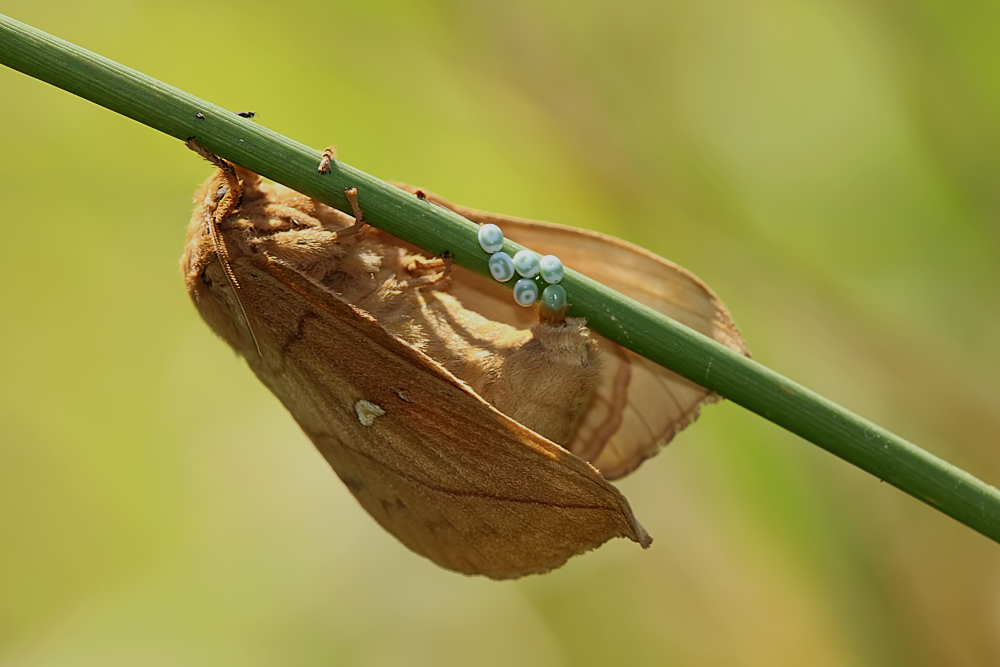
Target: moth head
209,253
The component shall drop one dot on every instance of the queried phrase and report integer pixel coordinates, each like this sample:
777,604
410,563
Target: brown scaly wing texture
442,470
639,405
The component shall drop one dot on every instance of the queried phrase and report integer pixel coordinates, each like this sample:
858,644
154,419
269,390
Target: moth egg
551,269
502,266
553,299
490,238
526,263
525,292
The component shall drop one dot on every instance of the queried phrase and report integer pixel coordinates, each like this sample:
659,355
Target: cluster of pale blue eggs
529,266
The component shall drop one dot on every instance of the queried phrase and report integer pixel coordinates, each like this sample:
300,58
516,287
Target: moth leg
326,162
440,280
437,281
359,217
421,265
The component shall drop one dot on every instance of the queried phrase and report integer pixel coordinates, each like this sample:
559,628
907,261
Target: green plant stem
741,380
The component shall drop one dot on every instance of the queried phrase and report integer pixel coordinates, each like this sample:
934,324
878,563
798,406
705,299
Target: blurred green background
830,168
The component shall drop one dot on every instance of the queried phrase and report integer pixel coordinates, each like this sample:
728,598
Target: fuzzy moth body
462,424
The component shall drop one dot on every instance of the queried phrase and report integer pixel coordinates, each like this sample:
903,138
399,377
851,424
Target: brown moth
464,425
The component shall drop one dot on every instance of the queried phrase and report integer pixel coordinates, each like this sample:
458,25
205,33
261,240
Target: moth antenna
230,202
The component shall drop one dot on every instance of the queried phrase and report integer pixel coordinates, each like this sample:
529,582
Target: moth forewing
440,468
446,473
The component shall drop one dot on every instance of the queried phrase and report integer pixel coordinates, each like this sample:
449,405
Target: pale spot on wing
368,412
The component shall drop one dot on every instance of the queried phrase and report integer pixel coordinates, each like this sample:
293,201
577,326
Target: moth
478,434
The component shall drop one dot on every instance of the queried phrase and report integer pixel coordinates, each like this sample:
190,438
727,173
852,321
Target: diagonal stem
748,383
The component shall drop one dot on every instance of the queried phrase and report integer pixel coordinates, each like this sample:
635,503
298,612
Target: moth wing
450,476
639,405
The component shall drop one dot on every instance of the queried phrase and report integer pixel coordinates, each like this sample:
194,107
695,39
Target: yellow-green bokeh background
830,168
